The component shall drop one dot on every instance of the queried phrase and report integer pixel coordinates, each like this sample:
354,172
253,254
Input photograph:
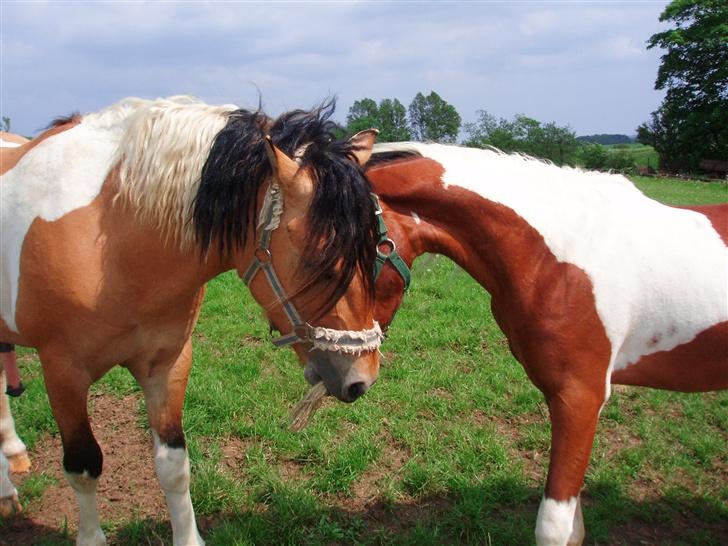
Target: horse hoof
19,463
10,506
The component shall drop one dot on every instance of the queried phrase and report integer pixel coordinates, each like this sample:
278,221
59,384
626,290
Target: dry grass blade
304,410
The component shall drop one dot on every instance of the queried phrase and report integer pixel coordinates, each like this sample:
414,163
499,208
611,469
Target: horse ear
362,143
284,167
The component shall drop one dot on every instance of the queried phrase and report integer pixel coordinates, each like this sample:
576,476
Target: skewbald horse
592,282
112,223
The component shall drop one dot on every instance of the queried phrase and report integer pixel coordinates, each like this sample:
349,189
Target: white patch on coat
61,174
89,528
415,217
659,274
173,471
160,145
7,489
559,523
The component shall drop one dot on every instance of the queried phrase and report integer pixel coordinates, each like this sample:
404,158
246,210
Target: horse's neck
452,224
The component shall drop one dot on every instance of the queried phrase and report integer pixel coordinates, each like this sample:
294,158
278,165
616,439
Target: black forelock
341,221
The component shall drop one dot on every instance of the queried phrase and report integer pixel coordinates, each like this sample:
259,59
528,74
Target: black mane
381,158
341,222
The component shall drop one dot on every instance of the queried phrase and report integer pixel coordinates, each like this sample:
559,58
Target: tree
392,121
390,117
363,115
432,118
5,125
525,135
692,121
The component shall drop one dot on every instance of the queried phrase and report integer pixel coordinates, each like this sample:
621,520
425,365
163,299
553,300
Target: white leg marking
7,489
559,523
173,471
8,494
11,444
89,527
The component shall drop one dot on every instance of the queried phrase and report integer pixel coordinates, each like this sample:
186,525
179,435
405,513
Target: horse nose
353,391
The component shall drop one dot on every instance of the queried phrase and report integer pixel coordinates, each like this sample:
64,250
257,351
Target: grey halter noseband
324,339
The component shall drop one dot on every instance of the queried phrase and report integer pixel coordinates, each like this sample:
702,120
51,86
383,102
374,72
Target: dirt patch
128,487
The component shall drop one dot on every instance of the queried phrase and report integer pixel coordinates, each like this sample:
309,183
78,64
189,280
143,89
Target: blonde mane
163,145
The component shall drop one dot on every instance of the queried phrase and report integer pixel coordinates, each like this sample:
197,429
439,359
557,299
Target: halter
392,256
324,339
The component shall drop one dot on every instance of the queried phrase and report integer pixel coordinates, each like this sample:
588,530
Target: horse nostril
355,390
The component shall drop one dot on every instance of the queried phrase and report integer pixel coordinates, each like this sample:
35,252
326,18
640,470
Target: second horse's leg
12,446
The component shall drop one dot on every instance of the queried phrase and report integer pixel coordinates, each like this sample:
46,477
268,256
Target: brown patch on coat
697,366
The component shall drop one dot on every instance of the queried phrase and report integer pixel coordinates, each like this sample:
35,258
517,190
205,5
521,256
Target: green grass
644,156
450,446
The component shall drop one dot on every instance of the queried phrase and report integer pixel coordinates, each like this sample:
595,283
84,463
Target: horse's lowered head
310,262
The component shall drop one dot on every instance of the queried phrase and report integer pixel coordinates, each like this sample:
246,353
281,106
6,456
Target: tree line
431,118
690,126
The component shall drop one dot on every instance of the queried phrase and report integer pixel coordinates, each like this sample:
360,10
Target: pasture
450,446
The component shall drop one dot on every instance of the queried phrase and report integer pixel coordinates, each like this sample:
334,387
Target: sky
582,64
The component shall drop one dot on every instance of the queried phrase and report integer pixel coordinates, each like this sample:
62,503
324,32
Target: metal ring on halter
263,255
390,243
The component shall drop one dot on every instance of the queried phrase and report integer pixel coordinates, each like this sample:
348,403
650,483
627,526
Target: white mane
163,145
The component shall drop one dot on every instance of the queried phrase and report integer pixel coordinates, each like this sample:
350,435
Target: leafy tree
525,135
5,125
390,117
692,121
593,156
392,121
432,118
363,114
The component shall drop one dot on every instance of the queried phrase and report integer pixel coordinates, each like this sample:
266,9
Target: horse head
309,265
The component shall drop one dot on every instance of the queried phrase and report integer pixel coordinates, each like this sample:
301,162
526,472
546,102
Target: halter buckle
303,331
263,255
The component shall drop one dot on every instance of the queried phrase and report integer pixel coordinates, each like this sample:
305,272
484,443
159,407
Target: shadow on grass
21,530
500,513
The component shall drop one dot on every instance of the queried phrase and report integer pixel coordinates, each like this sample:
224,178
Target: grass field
450,446
644,156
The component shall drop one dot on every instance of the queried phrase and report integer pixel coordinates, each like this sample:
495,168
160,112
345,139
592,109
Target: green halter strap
392,256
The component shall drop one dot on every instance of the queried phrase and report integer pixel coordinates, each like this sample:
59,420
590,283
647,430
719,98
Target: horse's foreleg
574,411
82,457
164,391
12,446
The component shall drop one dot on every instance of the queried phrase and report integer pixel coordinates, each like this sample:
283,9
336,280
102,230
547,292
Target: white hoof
9,506
92,539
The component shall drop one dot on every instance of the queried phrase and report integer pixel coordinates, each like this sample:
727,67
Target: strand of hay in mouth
304,410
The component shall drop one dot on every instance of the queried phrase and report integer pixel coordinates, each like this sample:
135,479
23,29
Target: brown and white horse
592,282
111,224
13,456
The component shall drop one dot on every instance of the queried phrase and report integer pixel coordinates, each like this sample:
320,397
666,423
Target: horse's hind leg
164,387
12,447
9,503
82,458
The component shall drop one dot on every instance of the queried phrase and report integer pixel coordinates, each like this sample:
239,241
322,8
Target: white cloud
505,58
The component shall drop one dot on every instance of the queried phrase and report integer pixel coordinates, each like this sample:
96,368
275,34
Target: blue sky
578,63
